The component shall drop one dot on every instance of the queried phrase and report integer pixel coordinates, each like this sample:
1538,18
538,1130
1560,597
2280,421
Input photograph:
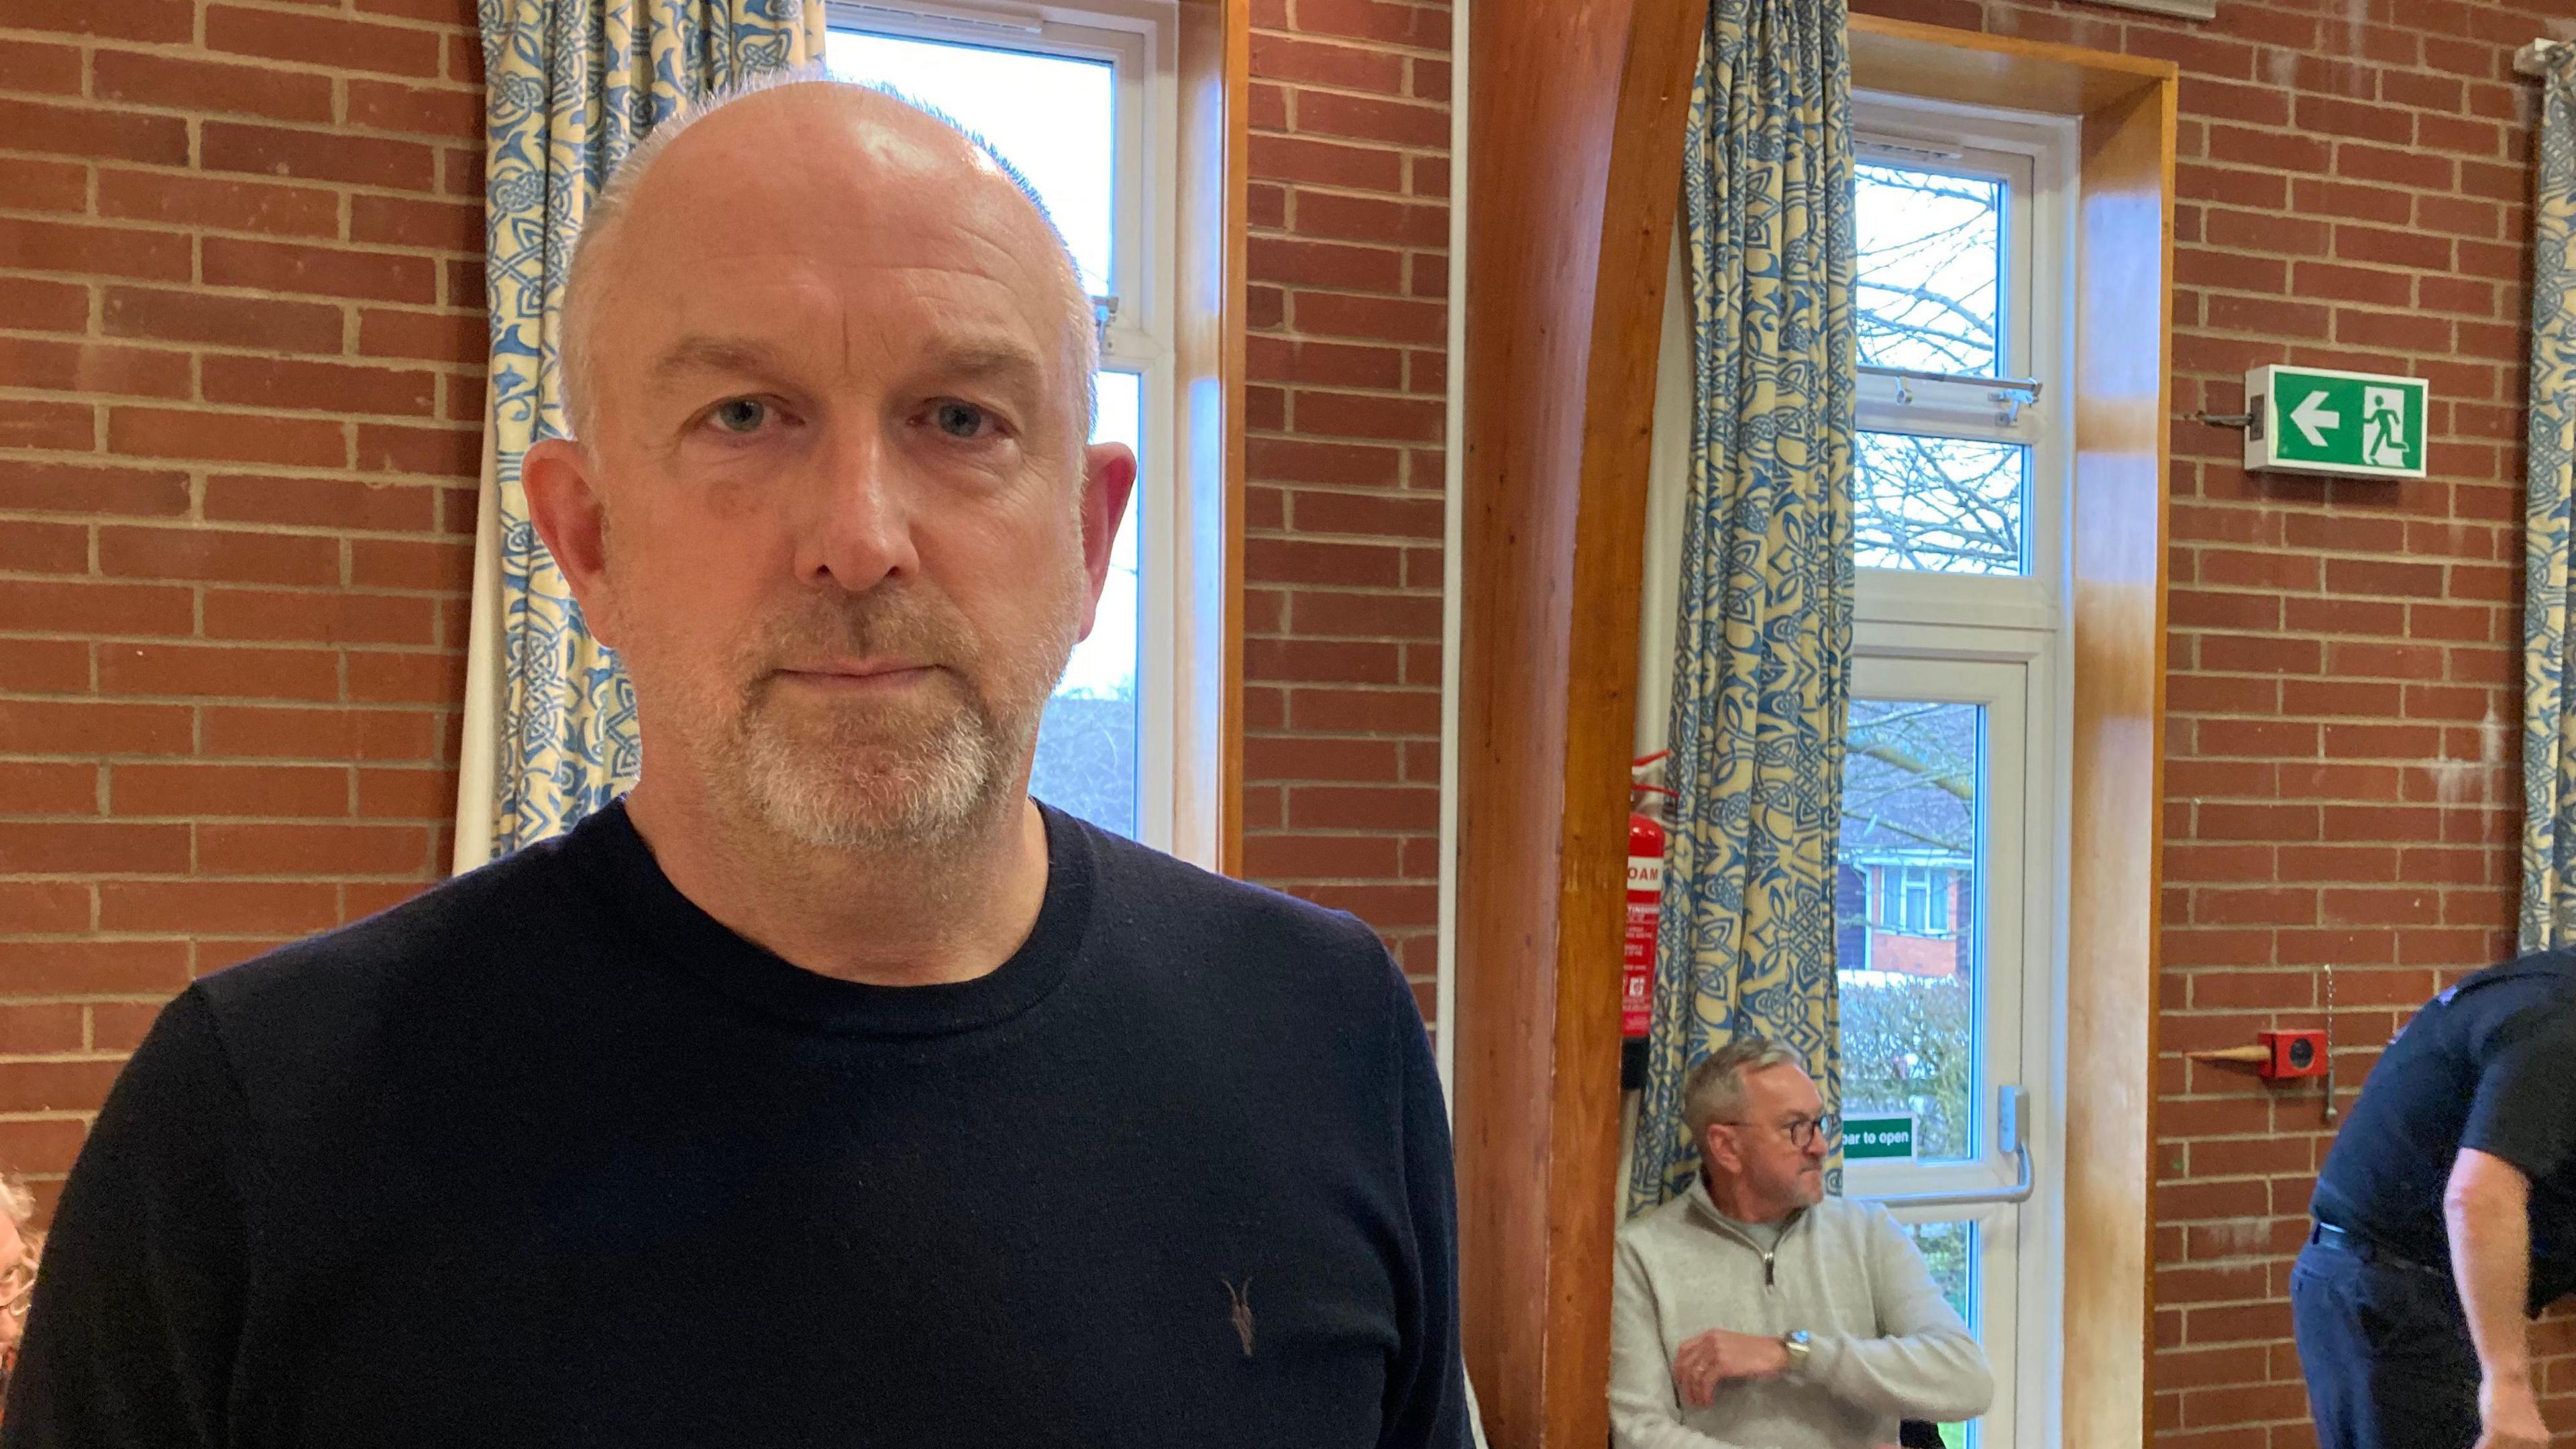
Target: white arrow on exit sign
2313,419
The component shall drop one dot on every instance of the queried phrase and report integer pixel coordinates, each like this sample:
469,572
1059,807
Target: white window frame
1140,40
1999,641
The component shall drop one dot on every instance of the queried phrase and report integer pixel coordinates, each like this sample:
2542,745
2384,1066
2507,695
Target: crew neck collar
675,932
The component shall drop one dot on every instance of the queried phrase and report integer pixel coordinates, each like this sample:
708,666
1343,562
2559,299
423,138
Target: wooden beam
2123,281
1215,67
1578,108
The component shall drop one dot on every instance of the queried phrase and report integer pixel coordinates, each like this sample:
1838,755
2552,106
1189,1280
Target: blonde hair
16,1200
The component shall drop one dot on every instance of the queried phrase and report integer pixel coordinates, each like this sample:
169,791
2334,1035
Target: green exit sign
2315,420
1868,1137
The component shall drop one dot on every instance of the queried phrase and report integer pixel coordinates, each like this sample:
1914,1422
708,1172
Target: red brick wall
241,343
1348,377
2344,700
241,339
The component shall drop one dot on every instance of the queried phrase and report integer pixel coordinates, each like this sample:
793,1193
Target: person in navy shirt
2445,1216
825,1090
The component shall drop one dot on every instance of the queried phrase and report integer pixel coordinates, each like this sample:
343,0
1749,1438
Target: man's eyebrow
739,356
997,362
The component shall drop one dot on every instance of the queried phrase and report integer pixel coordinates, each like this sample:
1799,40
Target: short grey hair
607,212
1714,1090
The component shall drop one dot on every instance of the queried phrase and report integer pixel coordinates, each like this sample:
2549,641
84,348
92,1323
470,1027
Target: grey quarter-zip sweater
1887,1347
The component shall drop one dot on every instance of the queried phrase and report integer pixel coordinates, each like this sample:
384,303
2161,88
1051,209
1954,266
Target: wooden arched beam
1576,110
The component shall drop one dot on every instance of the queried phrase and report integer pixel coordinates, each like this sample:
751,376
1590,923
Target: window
1083,108
1949,866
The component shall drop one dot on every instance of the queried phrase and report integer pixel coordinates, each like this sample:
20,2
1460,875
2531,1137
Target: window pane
1910,990
1931,269
1054,118
1939,505
1086,760
1950,1251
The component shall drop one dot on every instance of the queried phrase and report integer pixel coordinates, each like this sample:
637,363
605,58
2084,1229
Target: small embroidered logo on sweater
1241,1312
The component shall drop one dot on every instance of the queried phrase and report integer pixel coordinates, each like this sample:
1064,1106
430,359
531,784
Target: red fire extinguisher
1645,910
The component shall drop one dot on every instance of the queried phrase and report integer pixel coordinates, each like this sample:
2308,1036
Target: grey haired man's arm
1924,1364
1645,1413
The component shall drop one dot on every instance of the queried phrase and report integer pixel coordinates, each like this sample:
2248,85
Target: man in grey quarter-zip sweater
1754,1312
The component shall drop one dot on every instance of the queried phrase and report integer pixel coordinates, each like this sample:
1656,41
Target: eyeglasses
1803,1131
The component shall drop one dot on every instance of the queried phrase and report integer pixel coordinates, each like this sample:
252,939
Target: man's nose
860,530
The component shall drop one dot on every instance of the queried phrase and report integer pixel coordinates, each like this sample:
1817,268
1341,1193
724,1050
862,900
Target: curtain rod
2533,59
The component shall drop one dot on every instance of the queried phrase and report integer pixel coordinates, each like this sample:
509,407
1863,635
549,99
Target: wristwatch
1799,1347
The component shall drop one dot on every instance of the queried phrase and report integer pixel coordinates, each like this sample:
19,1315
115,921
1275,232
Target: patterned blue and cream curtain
1761,671
2548,740
571,87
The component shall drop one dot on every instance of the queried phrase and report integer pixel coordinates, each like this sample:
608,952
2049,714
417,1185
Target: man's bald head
772,115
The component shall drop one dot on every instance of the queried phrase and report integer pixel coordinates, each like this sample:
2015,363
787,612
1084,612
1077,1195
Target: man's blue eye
961,420
742,415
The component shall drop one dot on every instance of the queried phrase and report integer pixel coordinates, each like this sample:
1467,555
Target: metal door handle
2009,1105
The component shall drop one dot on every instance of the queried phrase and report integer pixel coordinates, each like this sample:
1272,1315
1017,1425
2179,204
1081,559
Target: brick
415,110
253,322
322,40
32,245
30,185
48,789
218,907
446,452
40,306
417,794
93,367
1363,416
110,19
135,78
318,386
1351,67
1363,118
400,221
44,548
88,847
1371,219
246,731
218,204
317,156
93,133
1326,264
200,791
58,1086
1407,25
323,618
1321,661
35,66
461,337
228,437
391,564
203,554
67,427
344,504
1331,315
222,672
313,850
379,676
322,271
45,666
1323,363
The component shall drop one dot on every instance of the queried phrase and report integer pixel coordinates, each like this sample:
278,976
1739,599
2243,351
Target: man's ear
562,485
1717,1147
1108,484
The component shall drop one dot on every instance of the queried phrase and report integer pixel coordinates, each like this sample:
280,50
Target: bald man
826,1090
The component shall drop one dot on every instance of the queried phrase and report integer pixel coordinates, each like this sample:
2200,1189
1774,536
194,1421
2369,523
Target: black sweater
549,1157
